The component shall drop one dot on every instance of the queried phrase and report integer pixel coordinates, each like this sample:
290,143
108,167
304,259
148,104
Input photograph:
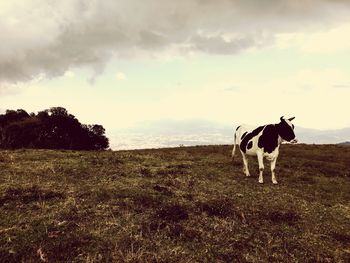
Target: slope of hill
188,204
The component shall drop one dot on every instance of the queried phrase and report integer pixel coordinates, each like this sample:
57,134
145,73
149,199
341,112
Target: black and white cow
263,141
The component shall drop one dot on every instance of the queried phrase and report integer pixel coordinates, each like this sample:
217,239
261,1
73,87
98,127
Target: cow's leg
273,166
245,164
233,151
234,146
260,156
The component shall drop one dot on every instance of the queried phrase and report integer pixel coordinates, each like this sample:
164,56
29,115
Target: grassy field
174,205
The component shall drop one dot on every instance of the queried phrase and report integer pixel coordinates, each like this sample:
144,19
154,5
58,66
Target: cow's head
286,130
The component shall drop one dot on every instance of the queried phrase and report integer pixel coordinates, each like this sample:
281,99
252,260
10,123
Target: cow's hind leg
245,164
234,146
273,166
261,166
233,152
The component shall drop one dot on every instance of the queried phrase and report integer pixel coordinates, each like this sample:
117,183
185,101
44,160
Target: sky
120,63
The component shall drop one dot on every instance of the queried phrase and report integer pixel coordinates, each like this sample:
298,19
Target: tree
54,128
97,136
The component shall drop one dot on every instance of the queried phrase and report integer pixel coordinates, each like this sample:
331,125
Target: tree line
53,128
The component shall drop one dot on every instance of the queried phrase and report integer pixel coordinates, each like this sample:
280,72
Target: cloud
231,89
328,41
48,38
69,74
120,76
341,86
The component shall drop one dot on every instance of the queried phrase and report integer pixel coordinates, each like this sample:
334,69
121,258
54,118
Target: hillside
174,205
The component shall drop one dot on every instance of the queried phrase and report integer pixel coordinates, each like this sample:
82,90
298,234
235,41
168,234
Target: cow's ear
290,119
282,118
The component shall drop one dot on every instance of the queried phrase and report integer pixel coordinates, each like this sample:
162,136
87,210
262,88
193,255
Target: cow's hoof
261,182
247,175
274,182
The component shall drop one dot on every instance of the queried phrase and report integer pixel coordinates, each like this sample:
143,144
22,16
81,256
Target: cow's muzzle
295,140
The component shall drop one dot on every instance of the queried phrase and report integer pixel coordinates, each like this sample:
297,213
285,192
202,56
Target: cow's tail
234,146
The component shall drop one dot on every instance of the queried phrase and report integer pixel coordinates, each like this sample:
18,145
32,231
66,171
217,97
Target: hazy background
199,132
157,73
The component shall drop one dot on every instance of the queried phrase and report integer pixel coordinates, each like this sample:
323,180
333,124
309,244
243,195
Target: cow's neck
278,128
280,140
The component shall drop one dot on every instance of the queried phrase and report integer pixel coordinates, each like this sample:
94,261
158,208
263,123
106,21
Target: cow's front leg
245,165
261,166
273,166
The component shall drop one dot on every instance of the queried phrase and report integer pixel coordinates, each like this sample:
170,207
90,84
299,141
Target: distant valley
173,133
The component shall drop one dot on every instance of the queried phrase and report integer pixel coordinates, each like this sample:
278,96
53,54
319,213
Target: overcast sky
119,63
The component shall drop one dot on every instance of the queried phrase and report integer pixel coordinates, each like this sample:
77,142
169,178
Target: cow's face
286,130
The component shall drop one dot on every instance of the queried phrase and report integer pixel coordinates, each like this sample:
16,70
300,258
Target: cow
263,141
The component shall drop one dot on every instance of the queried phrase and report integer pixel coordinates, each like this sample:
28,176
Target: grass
187,204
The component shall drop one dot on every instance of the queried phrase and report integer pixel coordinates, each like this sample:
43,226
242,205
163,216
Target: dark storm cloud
48,37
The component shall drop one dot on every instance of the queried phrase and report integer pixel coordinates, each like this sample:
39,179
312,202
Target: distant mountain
195,126
172,133
322,136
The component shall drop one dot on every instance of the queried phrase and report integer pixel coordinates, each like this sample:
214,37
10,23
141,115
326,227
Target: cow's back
247,138
241,131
